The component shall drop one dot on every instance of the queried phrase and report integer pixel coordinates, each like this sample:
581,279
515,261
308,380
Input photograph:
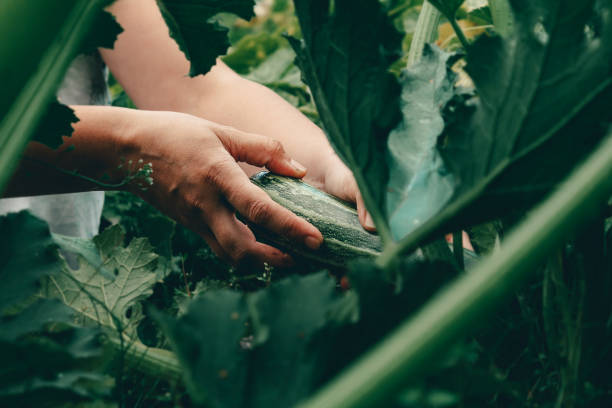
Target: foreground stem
449,315
426,31
151,361
459,32
29,106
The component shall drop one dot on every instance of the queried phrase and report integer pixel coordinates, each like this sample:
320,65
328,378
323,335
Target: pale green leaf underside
106,301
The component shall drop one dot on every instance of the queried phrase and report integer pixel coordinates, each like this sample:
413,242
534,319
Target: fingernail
312,242
369,222
298,166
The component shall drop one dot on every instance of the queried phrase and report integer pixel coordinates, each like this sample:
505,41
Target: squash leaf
39,365
56,123
112,303
28,254
344,56
239,350
419,184
552,56
447,7
544,93
200,40
103,32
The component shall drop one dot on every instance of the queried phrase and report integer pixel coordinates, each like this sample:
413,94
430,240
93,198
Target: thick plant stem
28,108
459,32
455,309
502,17
150,361
426,32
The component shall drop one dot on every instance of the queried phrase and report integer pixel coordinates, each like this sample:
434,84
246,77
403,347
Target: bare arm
196,178
153,71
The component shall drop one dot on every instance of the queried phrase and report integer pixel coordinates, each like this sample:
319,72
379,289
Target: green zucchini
344,238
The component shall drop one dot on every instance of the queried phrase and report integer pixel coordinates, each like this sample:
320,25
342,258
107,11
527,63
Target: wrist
105,141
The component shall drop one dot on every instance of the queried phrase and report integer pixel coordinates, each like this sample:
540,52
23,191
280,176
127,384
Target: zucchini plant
525,142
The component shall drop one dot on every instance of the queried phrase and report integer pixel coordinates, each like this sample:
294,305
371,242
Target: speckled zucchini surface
344,237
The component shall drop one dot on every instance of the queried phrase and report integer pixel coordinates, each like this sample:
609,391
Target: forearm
254,108
153,71
93,151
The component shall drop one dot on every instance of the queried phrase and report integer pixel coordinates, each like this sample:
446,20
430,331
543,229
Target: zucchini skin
344,239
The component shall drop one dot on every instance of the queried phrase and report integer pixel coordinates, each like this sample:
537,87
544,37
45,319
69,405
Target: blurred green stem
27,109
459,32
426,31
379,374
502,17
150,361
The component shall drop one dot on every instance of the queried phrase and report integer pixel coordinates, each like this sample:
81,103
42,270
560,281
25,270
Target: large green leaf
419,184
27,253
56,122
345,54
114,302
469,300
103,31
201,41
238,351
46,36
51,370
543,98
38,365
551,58
206,340
447,7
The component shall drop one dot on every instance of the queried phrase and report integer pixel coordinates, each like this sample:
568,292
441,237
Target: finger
259,151
217,248
257,207
238,241
364,216
207,235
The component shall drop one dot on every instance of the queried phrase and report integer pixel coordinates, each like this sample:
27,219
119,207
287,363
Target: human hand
338,181
198,182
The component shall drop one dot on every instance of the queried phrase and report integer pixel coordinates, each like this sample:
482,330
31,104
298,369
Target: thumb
259,150
364,216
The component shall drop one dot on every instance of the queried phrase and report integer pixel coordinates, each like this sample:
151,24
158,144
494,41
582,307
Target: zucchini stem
460,35
426,32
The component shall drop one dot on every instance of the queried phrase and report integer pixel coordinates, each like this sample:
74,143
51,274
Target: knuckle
214,173
258,211
239,254
290,227
275,148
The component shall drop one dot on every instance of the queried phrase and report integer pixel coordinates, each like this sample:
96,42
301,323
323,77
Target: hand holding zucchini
344,237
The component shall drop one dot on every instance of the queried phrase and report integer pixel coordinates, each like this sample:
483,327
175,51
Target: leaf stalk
455,309
22,119
426,32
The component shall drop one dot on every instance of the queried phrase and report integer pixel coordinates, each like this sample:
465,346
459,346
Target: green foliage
455,158
26,247
512,124
419,183
344,56
49,37
103,31
188,22
43,357
112,302
56,123
248,350
447,7
566,65
501,14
